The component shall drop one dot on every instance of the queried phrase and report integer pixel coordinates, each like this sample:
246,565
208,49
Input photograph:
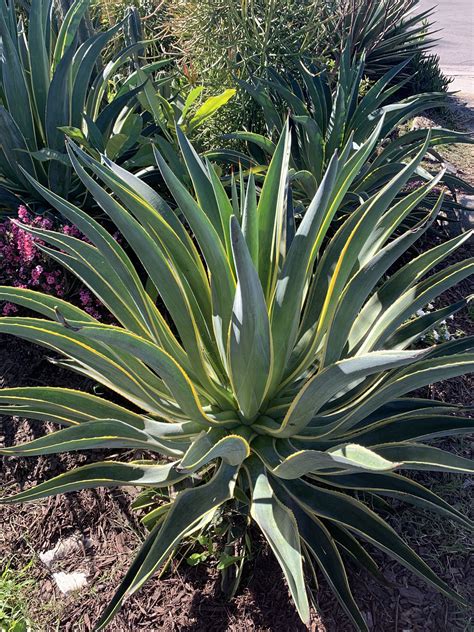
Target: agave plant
324,118
390,31
50,85
271,376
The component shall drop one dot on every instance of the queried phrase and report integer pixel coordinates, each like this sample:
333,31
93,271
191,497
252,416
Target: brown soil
188,599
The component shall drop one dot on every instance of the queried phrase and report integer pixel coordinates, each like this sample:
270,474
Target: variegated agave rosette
272,371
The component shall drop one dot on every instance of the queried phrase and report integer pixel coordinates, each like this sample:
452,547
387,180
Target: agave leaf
69,407
279,527
417,456
286,306
422,373
351,457
192,508
363,283
202,184
232,449
321,388
100,363
103,433
162,363
250,220
322,546
413,299
250,346
396,486
15,149
39,58
68,29
271,212
407,334
348,543
105,474
83,65
407,426
398,285
15,87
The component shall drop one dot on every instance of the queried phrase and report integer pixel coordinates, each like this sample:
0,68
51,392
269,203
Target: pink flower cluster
24,265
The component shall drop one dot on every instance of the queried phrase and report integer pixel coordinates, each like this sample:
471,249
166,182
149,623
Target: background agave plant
324,117
388,32
273,374
49,85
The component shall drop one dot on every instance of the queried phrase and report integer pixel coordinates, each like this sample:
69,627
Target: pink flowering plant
24,265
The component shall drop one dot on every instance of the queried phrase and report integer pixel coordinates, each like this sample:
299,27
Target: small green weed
14,584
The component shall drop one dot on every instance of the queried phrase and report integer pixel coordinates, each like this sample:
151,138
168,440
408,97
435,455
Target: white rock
64,548
67,582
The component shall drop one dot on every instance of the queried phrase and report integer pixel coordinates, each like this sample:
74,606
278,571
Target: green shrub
272,375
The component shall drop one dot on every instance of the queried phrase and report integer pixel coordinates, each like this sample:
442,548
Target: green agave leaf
407,334
347,457
396,486
322,546
105,474
160,222
356,291
417,456
250,220
232,449
368,215
85,59
39,58
407,427
293,278
279,527
161,362
63,405
422,373
202,184
68,29
102,433
271,213
122,375
223,282
164,276
321,388
15,149
358,555
15,87
414,299
398,290
193,508
250,345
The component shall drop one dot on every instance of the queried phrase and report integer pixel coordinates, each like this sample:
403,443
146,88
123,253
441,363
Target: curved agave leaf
192,509
279,526
105,474
103,433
